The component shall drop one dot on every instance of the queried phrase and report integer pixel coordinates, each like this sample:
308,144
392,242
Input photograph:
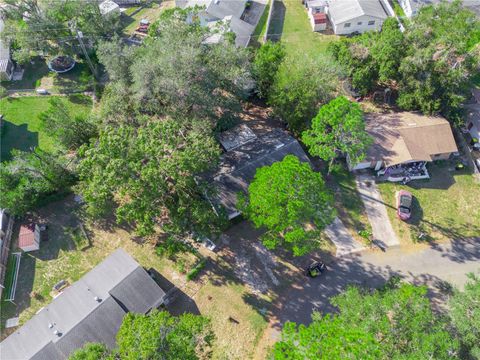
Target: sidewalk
376,211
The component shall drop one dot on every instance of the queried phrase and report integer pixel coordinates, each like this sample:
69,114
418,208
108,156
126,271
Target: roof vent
50,325
216,2
278,146
56,332
97,299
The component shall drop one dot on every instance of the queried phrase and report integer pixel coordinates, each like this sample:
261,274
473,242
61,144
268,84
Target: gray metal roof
340,11
79,317
237,167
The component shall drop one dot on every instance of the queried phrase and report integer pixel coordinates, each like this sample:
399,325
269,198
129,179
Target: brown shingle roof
407,136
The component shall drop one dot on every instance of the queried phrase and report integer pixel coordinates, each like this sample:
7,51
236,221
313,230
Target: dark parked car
315,269
404,204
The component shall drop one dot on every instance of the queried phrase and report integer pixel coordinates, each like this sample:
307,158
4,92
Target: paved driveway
376,211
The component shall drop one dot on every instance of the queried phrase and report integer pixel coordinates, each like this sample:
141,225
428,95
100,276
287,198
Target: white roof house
6,64
241,19
109,7
411,7
349,16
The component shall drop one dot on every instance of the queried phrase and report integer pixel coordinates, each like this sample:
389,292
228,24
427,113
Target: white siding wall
359,24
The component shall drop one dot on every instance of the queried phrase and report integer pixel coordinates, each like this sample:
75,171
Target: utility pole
79,34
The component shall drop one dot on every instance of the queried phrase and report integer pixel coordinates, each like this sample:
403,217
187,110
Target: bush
172,247
196,270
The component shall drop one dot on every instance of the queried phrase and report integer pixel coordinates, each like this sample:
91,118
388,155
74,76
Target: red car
404,204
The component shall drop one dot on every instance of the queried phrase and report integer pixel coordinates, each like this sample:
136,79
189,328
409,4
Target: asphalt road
432,266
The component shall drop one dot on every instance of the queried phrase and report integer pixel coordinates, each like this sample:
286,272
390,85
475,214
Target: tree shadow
16,137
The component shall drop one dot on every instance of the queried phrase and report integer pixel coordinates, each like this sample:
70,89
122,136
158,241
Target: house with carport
403,144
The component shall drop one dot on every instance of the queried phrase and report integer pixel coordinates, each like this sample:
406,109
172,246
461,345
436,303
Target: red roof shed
29,237
320,18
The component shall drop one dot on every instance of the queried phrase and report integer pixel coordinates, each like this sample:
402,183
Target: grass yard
348,202
290,22
37,75
21,127
445,207
150,12
68,255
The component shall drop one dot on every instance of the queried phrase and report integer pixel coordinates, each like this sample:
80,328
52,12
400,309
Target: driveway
376,211
342,239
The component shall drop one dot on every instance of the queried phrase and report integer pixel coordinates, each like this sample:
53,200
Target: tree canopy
291,201
265,66
44,28
147,175
156,336
70,130
391,323
429,65
300,87
465,315
338,129
175,73
30,177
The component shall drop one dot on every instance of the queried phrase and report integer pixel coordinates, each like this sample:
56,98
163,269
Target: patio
416,170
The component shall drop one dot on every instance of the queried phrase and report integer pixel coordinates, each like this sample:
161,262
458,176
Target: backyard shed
29,237
318,21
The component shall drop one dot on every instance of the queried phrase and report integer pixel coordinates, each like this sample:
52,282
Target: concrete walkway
340,236
376,211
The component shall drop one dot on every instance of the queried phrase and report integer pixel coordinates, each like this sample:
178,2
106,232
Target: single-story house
109,7
245,153
406,139
349,16
411,7
29,237
6,64
90,310
242,16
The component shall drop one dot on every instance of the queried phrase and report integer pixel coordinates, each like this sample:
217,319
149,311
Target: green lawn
21,127
445,207
291,21
150,12
37,75
348,203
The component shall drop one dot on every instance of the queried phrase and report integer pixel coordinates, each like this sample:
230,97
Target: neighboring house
6,64
350,16
6,224
128,2
411,7
317,14
245,152
109,7
242,16
403,139
90,310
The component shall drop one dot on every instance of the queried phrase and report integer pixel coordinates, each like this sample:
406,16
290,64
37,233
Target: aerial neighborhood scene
239,179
